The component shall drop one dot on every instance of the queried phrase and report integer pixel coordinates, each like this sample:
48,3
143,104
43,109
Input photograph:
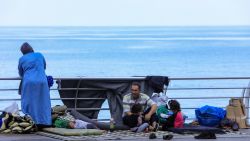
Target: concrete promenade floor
242,135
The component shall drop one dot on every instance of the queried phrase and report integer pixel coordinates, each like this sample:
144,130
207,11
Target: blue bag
50,80
210,116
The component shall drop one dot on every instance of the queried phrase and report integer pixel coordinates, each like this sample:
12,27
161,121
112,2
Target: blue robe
35,97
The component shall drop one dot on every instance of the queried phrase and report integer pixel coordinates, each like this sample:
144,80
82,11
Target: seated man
148,107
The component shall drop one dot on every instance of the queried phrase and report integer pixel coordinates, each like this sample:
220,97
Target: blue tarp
210,115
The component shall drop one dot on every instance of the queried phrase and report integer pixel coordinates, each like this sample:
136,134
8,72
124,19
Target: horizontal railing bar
95,109
193,88
101,89
63,89
132,78
59,99
10,78
203,97
88,109
199,107
12,99
102,78
101,119
81,109
78,98
207,78
18,99
206,88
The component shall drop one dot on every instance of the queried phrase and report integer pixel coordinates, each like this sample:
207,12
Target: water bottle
112,125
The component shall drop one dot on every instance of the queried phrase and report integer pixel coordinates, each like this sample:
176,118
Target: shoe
235,126
167,137
156,127
152,136
206,135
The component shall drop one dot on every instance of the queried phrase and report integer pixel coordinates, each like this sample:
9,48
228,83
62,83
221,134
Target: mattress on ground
100,125
196,129
74,132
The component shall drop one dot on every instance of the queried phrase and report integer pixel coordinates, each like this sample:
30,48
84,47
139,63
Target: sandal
167,137
156,127
152,136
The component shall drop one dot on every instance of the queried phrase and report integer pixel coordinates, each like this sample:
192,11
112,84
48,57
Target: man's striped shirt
129,101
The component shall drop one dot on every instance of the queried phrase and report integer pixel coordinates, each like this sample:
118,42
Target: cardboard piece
236,112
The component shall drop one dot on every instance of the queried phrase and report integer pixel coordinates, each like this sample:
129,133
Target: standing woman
35,97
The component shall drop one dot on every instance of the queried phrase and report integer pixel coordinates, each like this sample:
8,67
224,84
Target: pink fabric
178,122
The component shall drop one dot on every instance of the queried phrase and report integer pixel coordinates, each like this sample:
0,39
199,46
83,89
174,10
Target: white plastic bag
159,99
13,108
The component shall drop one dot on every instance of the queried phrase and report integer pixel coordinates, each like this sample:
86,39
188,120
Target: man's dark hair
137,84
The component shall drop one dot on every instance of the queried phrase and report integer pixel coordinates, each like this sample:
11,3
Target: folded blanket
74,132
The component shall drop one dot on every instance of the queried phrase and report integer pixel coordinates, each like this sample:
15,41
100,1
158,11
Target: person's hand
128,113
147,117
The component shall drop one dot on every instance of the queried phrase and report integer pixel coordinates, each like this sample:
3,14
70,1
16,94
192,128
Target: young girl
176,119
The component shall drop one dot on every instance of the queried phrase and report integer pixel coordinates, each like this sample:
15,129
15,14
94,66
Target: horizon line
124,25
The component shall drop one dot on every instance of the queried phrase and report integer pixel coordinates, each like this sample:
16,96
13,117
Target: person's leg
142,127
91,126
153,122
169,123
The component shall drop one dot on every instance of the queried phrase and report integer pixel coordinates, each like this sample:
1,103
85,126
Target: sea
176,52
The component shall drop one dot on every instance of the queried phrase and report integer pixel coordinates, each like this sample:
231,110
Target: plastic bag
13,108
210,115
159,99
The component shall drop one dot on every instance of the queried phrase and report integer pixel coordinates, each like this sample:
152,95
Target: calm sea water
135,51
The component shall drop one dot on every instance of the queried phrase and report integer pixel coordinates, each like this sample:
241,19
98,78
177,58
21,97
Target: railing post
245,95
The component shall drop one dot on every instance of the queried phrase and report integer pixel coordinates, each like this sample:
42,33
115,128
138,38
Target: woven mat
116,135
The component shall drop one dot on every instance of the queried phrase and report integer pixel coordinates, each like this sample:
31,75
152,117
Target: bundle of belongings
210,116
11,123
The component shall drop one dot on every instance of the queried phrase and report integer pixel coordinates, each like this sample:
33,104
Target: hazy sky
124,12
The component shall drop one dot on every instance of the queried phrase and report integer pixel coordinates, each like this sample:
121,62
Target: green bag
61,123
162,110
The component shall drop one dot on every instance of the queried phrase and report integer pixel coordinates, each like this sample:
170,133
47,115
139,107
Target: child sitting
138,120
176,119
136,116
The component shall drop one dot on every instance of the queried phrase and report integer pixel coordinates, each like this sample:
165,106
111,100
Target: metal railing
245,94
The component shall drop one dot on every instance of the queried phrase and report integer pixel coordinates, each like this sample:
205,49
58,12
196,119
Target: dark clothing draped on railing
111,89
